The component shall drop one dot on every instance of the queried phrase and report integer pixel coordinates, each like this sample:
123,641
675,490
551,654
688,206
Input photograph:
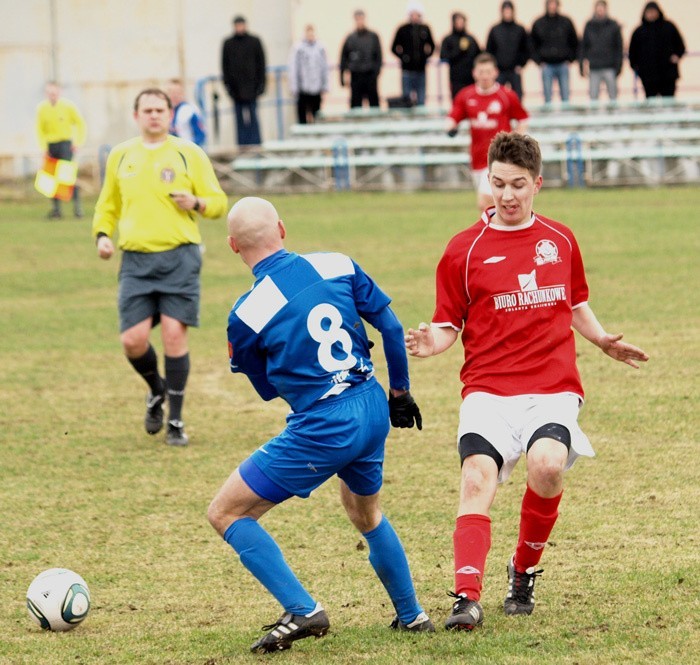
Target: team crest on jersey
167,175
494,108
546,252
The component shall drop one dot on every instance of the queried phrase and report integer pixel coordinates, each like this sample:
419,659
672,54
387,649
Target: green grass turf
83,487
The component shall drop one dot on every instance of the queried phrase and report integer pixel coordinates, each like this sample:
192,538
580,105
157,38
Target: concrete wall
104,51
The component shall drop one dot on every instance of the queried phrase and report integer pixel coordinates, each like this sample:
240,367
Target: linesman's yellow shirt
59,122
135,195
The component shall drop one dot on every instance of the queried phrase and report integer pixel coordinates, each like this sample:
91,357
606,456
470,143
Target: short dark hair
239,19
484,58
156,92
518,149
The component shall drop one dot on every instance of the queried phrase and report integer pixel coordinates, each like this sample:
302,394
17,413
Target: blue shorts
341,435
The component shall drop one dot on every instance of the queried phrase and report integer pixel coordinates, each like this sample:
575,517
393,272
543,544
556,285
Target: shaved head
254,228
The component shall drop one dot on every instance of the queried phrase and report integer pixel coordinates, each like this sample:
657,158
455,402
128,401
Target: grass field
83,487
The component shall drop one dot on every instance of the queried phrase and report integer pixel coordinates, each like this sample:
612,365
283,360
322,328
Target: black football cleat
520,598
291,627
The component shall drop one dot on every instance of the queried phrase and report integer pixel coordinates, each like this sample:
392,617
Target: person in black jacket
243,71
413,45
554,46
508,43
459,49
362,57
656,48
601,52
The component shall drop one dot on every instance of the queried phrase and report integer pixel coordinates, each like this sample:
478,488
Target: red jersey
512,292
489,113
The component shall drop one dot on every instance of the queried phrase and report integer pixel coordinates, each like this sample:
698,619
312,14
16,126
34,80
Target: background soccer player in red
514,285
489,107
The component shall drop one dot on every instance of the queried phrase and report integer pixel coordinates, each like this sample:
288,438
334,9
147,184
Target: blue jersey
298,333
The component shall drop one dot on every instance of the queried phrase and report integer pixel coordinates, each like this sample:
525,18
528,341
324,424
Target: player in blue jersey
298,334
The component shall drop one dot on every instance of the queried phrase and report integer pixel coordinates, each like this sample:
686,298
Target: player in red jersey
514,285
490,108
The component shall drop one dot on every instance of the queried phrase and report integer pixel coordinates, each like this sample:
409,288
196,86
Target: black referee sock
147,367
176,372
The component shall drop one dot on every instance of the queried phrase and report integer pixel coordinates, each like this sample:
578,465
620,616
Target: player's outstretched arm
403,410
429,340
586,324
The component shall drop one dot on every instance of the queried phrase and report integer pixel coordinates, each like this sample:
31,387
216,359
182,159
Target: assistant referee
156,185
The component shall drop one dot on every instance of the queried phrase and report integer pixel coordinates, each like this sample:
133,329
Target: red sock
472,541
537,518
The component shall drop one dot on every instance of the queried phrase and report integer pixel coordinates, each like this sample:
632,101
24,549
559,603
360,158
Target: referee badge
167,175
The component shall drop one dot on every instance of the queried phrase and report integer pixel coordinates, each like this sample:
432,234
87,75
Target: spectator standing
459,49
188,122
655,50
514,286
601,52
361,55
554,46
155,188
243,70
308,75
490,108
508,42
413,45
60,129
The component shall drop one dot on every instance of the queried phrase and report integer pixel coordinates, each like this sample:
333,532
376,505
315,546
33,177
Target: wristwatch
196,205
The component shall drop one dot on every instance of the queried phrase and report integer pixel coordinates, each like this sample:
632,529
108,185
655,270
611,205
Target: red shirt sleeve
517,111
450,288
459,107
579,286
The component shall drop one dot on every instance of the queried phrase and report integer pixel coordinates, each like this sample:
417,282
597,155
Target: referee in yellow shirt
60,129
155,188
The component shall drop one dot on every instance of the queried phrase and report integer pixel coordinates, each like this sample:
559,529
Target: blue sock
261,555
387,556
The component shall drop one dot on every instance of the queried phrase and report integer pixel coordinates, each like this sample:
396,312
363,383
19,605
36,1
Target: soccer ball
58,599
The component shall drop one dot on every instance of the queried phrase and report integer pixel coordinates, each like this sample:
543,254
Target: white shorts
507,423
481,181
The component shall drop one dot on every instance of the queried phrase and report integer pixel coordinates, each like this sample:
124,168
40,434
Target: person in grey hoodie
308,75
601,52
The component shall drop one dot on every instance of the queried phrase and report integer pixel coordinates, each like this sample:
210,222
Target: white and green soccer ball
58,599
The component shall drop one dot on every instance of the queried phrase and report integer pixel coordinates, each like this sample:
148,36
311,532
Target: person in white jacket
308,75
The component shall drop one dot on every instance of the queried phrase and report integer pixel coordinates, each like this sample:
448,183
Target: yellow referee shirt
135,194
59,122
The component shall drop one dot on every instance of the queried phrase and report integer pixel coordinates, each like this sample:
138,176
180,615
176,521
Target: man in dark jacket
508,43
413,45
656,48
459,50
362,57
554,46
243,71
601,52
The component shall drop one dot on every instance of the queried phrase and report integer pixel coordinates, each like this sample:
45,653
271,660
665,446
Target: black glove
452,133
403,411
